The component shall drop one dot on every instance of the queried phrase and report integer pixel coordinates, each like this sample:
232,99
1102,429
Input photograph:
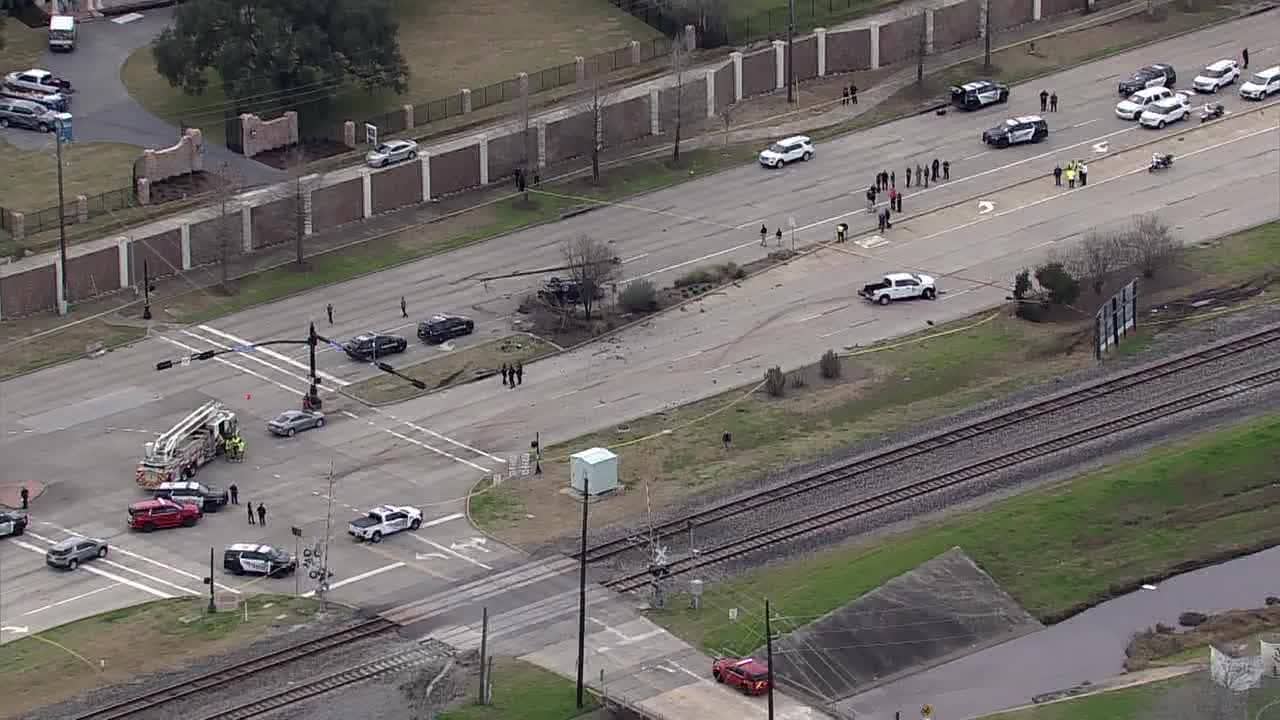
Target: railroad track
947,480
849,470
329,683
218,678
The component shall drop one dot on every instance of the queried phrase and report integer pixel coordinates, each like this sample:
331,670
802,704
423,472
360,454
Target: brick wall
626,121
28,292
183,158
900,40
396,187
693,106
805,56
724,87
454,171
848,51
1012,13
337,205
955,24
261,135
759,73
568,138
207,238
162,253
274,222
93,274
509,152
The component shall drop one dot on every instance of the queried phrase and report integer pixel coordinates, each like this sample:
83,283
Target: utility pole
582,588
484,649
62,229
146,291
323,587
313,394
768,643
212,607
986,33
791,30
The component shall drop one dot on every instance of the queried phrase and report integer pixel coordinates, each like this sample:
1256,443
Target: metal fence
38,221
430,111
741,29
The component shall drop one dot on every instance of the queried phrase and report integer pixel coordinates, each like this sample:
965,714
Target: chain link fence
37,221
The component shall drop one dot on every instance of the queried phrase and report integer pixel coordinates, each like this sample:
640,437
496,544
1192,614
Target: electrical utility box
598,464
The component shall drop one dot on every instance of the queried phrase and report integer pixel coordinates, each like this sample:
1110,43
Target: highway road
79,427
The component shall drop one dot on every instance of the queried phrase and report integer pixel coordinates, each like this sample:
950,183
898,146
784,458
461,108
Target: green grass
453,368
448,46
1095,536
119,645
63,346
1245,254
29,178
1188,696
749,19
495,507
22,46
523,691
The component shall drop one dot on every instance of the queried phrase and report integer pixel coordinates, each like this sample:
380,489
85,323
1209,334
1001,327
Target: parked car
384,520
241,558
900,286
1153,75
13,522
26,114
69,553
1216,76
1261,84
368,347
978,94
1014,131
36,79
392,151
438,328
747,674
161,514
208,499
1169,110
1131,108
797,147
292,422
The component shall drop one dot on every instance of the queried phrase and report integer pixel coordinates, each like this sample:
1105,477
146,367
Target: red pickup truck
162,513
747,674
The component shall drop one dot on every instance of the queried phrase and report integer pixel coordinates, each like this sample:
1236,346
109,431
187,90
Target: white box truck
62,33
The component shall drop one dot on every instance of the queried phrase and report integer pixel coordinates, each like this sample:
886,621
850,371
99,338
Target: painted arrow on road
985,206
1101,147
20,629
472,544
428,556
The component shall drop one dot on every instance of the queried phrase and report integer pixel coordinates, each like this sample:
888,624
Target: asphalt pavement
103,109
79,427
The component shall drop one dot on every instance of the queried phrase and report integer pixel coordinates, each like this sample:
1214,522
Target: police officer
1057,175
25,494
1044,100
778,235
1084,174
908,176
935,169
946,169
1053,101
764,234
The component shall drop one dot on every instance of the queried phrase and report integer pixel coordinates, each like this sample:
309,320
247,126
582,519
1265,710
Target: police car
1029,128
1154,75
255,559
1216,76
1169,110
979,93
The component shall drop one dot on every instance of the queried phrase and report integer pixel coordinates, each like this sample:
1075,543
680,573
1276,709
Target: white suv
1261,84
1131,108
1169,110
787,150
1217,76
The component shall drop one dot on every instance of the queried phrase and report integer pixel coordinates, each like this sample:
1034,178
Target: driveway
102,107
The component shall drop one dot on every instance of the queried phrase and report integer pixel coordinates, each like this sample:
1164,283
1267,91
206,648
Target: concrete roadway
62,424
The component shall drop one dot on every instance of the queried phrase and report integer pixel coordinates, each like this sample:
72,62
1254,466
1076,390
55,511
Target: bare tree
679,58
591,265
1096,257
1150,243
595,109
298,203
524,123
922,44
726,116
228,223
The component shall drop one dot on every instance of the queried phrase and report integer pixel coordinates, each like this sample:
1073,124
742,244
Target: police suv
1154,75
1169,110
979,93
268,560
1029,128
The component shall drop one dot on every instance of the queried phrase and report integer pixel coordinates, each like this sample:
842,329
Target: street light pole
62,223
582,588
768,643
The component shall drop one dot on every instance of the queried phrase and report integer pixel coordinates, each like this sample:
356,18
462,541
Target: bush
1061,287
829,364
1192,619
699,276
731,271
798,379
1022,285
775,383
639,296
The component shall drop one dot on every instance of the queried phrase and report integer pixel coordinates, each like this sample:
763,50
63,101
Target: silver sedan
292,422
393,151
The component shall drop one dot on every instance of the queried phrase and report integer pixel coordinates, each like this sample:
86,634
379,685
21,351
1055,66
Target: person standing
1044,100
908,176
329,310
1071,177
404,308
893,178
520,373
505,372
1084,174
888,219
1244,55
880,217
249,508
893,197
853,92
25,494
935,169
926,176
778,235
1053,101
764,234
844,96
1057,175
921,177
946,169
262,514
235,494
899,202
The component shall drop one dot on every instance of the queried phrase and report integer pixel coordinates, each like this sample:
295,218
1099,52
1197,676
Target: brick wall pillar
737,75
821,34
122,244
366,187
874,27
711,93
690,38
425,159
466,100
407,109
580,69
484,159
655,118
1037,12
246,228
184,233
542,144
635,52
60,300
17,224
82,208
144,191
928,31
349,134
779,64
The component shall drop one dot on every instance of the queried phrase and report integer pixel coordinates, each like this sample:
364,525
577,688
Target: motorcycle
1160,161
1212,111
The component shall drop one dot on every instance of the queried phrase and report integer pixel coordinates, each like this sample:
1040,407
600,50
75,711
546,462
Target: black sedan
371,347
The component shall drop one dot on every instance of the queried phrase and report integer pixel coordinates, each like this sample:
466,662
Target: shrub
1022,285
1061,287
639,296
731,271
798,379
699,276
775,383
829,364
1192,619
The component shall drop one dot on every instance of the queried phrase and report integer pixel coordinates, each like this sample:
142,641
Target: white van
1261,84
62,33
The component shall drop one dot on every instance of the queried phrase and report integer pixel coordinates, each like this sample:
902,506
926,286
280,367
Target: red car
162,513
747,674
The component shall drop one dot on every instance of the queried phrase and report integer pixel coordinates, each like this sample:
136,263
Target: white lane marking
228,363
81,596
248,356
452,552
272,353
451,441
103,573
974,156
679,265
152,578
824,313
351,415
565,394
126,19
717,369
695,353
1095,184
143,558
358,578
1082,124
634,258
443,520
435,450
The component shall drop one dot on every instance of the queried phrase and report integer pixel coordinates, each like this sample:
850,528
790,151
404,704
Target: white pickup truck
900,286
384,520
